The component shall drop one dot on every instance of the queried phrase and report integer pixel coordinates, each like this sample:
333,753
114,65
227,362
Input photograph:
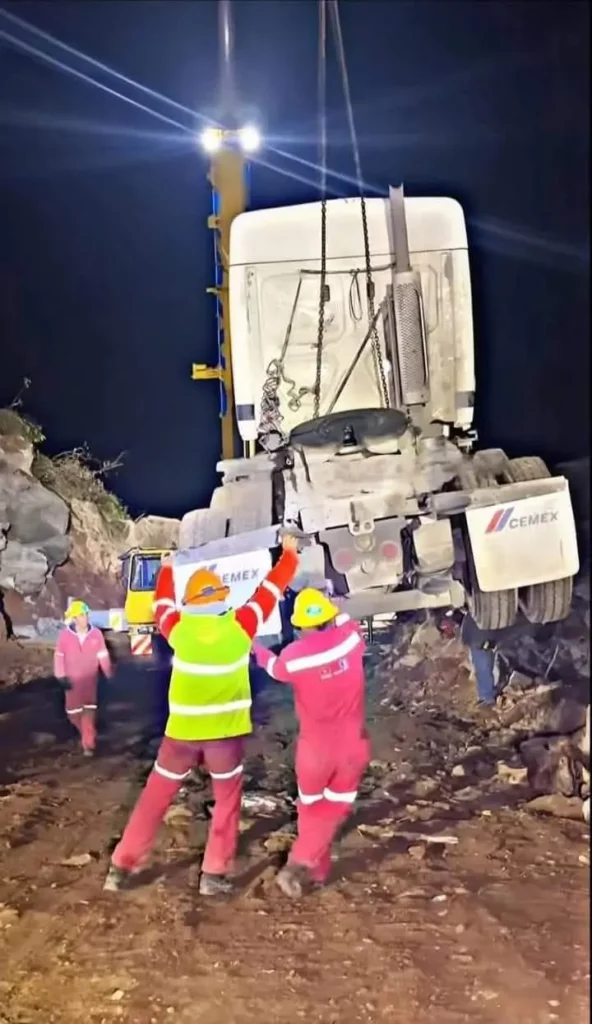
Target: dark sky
104,251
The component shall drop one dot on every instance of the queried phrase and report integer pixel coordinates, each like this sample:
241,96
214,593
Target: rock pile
60,536
33,522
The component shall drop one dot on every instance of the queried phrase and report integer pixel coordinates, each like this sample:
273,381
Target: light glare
250,138
211,139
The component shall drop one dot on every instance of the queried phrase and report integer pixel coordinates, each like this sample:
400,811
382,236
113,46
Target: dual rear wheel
541,602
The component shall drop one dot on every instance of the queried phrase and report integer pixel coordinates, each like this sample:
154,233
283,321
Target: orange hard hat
204,587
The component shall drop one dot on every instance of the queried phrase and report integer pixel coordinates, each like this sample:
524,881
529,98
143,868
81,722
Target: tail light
344,560
389,550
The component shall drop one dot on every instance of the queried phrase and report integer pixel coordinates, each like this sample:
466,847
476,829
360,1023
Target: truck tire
541,602
496,609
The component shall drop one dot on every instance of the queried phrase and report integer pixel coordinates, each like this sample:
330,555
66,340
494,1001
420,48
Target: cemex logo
228,578
504,517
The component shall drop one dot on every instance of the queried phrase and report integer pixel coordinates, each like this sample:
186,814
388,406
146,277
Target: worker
209,713
325,667
482,650
486,658
79,655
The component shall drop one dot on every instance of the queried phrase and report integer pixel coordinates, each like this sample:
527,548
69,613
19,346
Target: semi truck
346,363
362,438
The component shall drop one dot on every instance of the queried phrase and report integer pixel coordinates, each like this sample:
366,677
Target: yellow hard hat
74,609
312,608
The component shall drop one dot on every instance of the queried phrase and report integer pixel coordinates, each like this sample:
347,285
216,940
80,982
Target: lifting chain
271,414
372,318
322,101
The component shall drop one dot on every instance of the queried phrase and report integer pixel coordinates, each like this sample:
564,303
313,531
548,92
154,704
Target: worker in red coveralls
80,653
325,668
209,713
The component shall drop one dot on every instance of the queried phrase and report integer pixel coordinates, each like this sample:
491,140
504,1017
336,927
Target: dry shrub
76,474
15,424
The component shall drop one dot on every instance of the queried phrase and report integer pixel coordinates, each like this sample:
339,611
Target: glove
65,685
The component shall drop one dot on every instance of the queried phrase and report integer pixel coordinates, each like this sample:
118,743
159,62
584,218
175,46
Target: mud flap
524,542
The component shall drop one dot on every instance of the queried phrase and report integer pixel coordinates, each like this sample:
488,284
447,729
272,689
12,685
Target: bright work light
249,138
211,139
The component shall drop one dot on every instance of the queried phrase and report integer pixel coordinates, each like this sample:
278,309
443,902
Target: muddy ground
489,926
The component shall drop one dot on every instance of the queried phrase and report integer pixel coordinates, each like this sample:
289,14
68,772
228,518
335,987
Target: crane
228,147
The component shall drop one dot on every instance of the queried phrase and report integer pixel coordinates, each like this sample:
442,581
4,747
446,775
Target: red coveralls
222,758
326,669
77,658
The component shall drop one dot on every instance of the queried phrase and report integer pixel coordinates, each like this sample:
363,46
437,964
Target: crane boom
227,147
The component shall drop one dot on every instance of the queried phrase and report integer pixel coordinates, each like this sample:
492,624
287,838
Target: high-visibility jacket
209,692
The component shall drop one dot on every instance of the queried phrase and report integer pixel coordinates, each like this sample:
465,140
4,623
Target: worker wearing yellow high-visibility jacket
209,713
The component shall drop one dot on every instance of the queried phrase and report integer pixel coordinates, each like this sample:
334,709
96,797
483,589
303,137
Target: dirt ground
490,927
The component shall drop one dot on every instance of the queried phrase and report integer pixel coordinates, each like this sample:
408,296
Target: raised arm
274,664
256,611
166,615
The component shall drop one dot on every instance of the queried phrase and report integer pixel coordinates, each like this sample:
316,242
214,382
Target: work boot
117,879
292,880
214,885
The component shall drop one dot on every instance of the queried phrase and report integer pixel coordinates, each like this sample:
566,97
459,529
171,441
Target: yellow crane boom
227,147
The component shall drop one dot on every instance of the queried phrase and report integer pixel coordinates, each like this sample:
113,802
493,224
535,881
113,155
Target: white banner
242,573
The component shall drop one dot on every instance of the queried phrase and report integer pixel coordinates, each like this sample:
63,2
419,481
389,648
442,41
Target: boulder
22,568
16,452
35,514
56,550
153,532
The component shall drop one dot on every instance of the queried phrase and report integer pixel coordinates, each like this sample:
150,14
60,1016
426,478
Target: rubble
557,805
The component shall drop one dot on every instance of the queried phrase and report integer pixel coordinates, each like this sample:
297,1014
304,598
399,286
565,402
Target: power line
190,133
22,45
346,179
103,67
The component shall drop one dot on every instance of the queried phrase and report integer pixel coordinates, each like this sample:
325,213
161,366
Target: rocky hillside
61,531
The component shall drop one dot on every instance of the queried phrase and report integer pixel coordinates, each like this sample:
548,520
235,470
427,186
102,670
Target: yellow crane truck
139,569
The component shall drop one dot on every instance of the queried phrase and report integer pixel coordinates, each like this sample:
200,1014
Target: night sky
104,251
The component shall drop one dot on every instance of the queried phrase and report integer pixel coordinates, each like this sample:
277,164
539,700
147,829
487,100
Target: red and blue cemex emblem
499,520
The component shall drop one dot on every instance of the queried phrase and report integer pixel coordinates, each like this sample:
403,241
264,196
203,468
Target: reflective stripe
164,601
273,589
209,709
170,775
324,657
227,775
342,619
103,654
258,611
74,711
194,669
309,798
90,707
269,667
59,654
340,798
169,611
